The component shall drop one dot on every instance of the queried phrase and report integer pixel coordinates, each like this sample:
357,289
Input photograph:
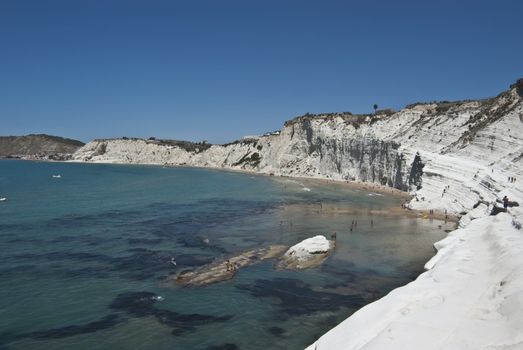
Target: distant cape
39,146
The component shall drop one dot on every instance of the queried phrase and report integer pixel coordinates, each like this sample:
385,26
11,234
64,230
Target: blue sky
217,70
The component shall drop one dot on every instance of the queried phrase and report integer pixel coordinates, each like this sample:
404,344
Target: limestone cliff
430,149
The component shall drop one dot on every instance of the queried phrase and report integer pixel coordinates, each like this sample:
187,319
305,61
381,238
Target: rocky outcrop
38,147
310,252
429,149
223,270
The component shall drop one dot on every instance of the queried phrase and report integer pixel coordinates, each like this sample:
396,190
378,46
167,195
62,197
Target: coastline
152,221
381,189
370,187
406,309
385,313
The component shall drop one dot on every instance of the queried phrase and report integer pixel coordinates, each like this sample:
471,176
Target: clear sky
217,70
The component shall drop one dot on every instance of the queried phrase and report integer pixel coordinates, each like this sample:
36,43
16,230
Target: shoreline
367,186
381,189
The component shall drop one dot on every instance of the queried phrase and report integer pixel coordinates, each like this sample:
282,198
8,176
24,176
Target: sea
86,250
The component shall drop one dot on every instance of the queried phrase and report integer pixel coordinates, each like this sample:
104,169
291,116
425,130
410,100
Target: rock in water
218,271
310,252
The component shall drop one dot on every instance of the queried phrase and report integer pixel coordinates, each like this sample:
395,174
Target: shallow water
83,257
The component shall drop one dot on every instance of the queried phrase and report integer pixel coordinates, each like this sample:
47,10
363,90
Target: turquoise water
84,257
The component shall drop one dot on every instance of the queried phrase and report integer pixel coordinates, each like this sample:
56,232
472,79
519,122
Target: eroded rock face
335,148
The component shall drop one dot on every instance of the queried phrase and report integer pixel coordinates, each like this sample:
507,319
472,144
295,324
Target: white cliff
457,157
423,149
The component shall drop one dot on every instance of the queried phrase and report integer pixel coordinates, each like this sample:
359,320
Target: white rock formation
308,253
471,298
309,247
455,156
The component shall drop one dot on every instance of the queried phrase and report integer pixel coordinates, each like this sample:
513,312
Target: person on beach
505,202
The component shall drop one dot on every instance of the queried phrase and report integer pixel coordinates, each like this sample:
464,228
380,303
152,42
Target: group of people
431,212
230,266
511,179
353,225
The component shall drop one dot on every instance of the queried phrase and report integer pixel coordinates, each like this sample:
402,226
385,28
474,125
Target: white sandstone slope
452,156
471,298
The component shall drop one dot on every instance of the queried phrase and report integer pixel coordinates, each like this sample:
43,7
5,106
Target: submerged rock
225,269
